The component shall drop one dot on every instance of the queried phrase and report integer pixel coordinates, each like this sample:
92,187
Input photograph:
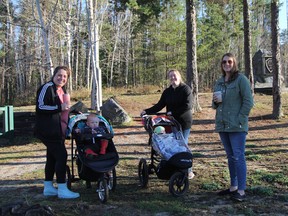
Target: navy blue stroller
100,169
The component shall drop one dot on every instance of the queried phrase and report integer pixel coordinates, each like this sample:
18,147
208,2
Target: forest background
137,42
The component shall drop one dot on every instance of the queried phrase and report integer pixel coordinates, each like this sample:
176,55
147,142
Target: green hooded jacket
237,101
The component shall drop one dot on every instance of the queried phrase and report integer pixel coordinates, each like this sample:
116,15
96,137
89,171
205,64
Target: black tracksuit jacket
48,114
178,101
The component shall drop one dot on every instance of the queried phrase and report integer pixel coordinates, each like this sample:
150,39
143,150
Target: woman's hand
65,106
217,97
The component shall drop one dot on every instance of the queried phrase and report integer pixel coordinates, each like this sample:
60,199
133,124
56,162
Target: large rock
114,113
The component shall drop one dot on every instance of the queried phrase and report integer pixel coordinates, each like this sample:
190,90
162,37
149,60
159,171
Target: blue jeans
186,134
234,145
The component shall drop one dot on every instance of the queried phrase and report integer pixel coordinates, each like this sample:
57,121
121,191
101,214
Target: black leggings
56,159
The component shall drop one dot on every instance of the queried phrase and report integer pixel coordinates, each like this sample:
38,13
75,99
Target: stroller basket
182,160
103,163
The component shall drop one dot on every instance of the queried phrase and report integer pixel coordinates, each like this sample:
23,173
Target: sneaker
191,175
226,192
238,197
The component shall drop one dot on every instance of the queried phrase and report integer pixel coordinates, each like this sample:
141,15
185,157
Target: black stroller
100,169
170,155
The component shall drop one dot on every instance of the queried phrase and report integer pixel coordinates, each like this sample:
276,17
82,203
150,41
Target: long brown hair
234,70
67,69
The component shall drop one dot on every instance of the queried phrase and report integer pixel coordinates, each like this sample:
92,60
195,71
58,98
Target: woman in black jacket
52,109
177,99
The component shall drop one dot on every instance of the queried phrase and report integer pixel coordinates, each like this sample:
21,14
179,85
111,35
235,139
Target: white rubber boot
49,189
65,193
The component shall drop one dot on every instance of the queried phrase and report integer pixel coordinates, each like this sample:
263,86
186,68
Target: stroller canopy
82,118
160,120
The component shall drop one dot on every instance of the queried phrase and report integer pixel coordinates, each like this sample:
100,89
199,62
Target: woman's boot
49,189
65,193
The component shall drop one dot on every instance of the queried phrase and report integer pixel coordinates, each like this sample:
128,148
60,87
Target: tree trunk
247,44
76,43
93,38
191,46
96,91
68,32
127,50
277,80
44,31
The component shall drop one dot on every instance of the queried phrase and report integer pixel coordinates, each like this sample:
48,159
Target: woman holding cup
233,100
52,109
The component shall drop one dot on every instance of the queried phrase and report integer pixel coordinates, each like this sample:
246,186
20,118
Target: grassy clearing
267,163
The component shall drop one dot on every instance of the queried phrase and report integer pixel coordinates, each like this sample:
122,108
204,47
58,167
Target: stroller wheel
143,173
178,184
68,177
103,190
112,180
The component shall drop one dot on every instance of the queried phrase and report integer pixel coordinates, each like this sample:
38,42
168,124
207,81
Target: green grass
266,177
260,190
210,186
162,205
267,182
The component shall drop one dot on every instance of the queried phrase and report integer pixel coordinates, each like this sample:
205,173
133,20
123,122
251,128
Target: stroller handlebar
157,114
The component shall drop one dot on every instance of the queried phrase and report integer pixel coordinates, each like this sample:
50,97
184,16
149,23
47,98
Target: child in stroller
92,149
167,144
95,154
170,155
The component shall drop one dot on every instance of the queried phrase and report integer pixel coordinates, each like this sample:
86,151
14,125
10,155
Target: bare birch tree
127,44
68,32
94,24
117,24
45,31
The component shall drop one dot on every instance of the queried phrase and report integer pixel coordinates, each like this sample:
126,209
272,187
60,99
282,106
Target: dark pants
56,159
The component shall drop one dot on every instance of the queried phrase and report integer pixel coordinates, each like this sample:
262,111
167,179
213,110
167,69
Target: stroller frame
177,176
106,178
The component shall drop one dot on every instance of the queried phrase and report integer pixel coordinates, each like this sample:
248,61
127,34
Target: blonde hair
176,72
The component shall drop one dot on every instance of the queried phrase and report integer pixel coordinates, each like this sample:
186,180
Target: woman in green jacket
232,110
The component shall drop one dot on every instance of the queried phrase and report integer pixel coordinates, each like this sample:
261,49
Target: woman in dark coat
52,109
177,99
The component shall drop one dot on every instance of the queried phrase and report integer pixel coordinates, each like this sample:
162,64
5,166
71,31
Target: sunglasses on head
229,62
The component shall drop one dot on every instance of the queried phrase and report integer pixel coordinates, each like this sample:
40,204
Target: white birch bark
12,45
117,26
76,52
68,33
94,25
127,50
44,31
92,37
